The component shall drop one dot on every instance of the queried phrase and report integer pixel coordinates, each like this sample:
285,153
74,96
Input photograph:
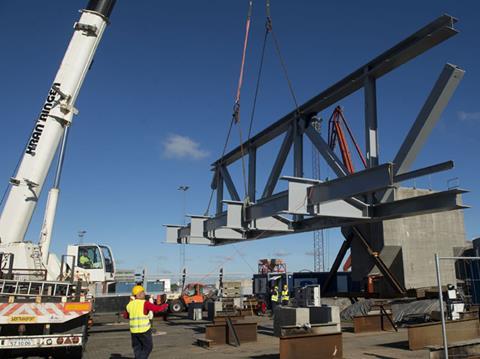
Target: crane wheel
176,306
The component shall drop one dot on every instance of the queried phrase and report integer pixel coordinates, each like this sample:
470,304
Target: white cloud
468,116
177,146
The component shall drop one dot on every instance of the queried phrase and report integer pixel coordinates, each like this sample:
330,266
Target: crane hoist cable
269,30
236,109
236,106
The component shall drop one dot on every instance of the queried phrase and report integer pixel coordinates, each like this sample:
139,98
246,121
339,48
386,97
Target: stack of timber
249,306
232,289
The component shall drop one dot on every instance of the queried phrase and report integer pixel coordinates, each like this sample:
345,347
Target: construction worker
84,260
285,295
140,327
274,298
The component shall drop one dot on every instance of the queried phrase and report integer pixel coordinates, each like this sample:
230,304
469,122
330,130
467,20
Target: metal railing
27,288
440,295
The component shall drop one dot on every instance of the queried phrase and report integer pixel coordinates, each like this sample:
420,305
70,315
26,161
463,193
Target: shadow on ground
378,356
397,345
265,330
119,356
110,330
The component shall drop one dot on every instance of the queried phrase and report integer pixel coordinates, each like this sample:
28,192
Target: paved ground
176,339
178,336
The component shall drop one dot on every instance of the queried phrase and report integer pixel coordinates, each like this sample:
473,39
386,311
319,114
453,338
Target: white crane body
33,282
56,113
51,125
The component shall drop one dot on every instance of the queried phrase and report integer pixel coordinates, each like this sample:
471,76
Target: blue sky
155,106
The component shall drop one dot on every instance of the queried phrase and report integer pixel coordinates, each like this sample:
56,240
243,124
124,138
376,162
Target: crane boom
55,115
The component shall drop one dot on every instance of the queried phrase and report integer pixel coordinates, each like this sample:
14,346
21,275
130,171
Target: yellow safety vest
275,296
139,322
285,295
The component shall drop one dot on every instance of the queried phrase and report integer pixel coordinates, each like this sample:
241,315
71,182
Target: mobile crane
42,299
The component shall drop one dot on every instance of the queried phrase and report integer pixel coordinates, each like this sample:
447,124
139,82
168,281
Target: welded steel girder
360,198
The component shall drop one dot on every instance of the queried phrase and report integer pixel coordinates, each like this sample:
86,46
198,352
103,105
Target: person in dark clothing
140,327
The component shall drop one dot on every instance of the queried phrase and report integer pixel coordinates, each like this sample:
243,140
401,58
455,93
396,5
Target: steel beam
252,174
424,39
371,137
234,214
278,165
330,157
337,262
172,233
430,203
229,183
219,189
298,148
298,129
427,118
444,166
216,222
363,182
267,207
300,203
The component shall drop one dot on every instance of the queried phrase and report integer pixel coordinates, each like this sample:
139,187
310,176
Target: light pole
81,234
184,189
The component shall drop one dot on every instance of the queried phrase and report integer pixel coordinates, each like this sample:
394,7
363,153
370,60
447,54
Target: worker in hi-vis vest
140,327
274,298
285,295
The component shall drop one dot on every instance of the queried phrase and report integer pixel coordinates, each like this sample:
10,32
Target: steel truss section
350,199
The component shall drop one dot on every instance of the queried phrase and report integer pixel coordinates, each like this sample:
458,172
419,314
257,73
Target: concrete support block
325,314
285,316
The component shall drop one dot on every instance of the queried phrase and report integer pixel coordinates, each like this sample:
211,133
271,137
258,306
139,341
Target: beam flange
279,163
414,206
366,181
229,183
439,167
427,118
330,157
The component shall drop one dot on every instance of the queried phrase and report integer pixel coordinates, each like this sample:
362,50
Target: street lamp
184,189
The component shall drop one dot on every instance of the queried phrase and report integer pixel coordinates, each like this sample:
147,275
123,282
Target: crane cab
92,263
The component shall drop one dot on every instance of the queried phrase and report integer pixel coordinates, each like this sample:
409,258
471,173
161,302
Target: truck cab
92,263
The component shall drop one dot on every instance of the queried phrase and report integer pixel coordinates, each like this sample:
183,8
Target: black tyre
69,353
176,306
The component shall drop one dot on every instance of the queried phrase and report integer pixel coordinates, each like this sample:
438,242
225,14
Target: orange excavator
336,134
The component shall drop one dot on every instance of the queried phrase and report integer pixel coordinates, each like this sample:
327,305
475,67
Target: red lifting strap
242,66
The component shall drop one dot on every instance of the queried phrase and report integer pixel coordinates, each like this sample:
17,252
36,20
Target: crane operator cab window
190,291
107,256
89,257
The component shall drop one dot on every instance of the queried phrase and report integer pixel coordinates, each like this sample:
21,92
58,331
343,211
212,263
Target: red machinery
336,135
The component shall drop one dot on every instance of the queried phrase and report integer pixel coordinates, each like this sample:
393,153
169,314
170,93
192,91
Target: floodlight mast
55,117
